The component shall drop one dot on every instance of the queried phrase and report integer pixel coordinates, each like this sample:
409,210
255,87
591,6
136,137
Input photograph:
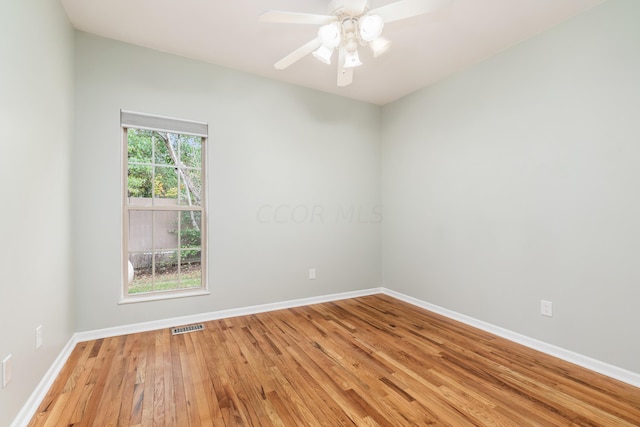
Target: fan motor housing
348,7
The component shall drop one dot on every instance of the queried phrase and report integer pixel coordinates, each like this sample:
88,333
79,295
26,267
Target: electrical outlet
6,371
38,337
312,274
546,308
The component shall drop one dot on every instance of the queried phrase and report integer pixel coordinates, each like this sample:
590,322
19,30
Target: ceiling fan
348,24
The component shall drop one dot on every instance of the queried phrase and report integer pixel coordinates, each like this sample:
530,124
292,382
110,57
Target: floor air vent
185,329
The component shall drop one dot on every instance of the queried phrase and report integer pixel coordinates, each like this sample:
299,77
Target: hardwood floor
370,361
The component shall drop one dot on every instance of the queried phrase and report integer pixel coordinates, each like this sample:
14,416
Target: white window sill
162,296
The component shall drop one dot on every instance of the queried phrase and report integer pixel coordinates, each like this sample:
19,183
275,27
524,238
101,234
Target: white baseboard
31,406
222,314
29,409
603,368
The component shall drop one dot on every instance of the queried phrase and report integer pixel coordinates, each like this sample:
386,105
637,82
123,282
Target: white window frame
129,119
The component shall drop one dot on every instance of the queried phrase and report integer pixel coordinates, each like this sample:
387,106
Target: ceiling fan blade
362,6
345,75
298,54
295,18
348,7
407,8
358,6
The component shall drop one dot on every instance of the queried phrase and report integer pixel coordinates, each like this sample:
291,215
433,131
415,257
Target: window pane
140,250
165,186
166,275
139,201
162,156
140,232
164,247
190,193
190,269
165,230
191,151
139,181
139,146
142,276
190,226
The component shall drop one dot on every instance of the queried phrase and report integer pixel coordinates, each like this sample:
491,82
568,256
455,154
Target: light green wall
508,183
36,111
517,181
271,145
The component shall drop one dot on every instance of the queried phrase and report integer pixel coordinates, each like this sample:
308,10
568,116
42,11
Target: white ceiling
425,49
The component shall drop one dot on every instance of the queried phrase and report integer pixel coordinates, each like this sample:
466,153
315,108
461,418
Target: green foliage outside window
166,168
153,158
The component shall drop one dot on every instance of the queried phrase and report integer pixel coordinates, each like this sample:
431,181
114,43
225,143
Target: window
164,207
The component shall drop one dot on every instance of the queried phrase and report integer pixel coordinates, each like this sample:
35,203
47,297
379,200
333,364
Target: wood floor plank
98,377
128,389
368,361
55,392
148,380
180,399
189,372
239,394
76,389
329,412
109,412
255,379
169,388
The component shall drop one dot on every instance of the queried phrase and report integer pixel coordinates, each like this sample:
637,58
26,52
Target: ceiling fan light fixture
379,46
323,53
329,36
351,59
348,25
371,27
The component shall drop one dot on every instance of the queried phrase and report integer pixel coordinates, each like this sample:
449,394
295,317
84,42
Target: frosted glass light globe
371,27
329,36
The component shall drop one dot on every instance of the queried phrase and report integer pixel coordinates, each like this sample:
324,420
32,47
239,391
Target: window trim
129,120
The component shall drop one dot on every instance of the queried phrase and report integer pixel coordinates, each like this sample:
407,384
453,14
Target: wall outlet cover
546,308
